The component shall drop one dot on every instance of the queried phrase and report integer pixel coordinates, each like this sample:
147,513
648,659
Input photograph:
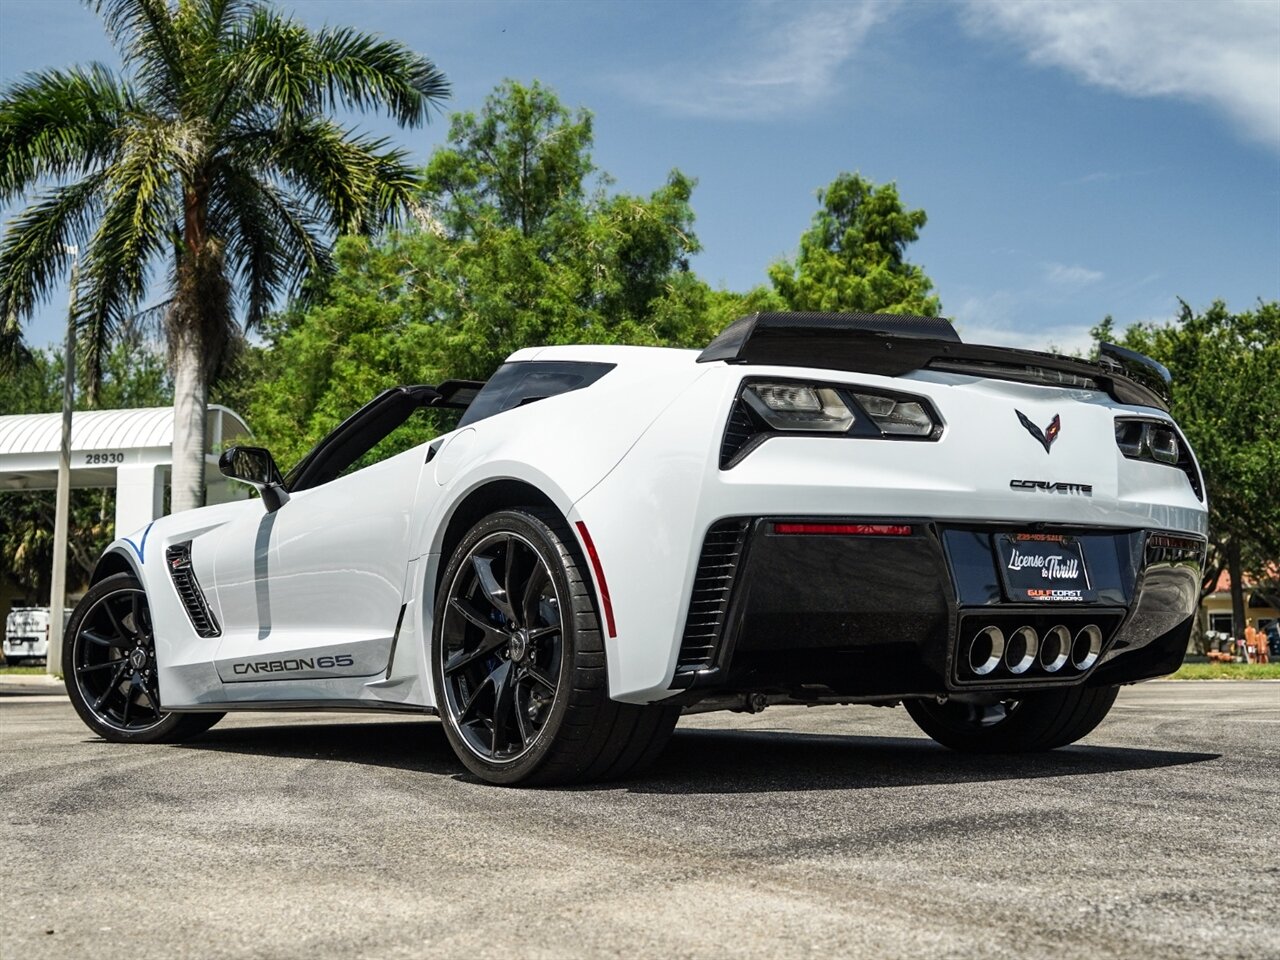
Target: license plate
1043,568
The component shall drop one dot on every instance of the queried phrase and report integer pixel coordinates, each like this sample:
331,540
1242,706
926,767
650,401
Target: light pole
58,593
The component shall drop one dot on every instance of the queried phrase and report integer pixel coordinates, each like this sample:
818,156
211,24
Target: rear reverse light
844,529
895,415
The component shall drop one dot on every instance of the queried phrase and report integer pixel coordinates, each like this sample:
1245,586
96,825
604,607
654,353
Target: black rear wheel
1022,723
519,663
109,667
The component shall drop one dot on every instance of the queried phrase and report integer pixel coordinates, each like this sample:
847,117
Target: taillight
765,408
799,407
1157,441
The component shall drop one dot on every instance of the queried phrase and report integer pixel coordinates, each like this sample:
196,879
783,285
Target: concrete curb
29,679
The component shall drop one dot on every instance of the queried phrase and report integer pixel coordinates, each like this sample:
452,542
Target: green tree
522,163
1226,391
213,156
535,252
853,256
521,244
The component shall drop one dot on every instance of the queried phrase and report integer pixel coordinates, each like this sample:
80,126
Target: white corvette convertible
816,509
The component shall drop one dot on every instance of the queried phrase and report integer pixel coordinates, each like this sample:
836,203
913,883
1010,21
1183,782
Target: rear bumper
813,618
26,647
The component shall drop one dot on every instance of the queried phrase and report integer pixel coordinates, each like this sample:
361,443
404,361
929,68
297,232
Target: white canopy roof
147,427
102,443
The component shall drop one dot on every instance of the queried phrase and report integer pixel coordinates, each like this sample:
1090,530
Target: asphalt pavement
797,833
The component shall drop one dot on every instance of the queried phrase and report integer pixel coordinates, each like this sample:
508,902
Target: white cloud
783,57
1225,54
988,310
1057,339
1006,318
1071,276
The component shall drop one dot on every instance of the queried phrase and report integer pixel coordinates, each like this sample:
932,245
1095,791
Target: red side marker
599,570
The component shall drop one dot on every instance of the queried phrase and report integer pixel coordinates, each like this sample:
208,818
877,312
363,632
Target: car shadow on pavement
403,745
738,761
710,761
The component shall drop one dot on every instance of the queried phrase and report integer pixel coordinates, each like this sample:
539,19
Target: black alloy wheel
518,660
502,646
109,666
115,661
1031,721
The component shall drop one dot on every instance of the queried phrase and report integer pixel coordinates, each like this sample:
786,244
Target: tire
522,686
109,667
1040,720
14,661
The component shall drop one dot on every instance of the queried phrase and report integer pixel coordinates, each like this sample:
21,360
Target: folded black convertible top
891,345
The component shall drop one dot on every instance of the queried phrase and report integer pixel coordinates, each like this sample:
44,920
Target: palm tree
211,158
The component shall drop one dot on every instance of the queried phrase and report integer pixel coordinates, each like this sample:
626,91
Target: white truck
26,634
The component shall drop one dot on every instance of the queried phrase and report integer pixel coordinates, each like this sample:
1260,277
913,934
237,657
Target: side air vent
178,557
712,586
738,434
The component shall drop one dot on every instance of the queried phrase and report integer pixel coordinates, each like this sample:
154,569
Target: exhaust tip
1055,649
1020,652
986,650
1086,647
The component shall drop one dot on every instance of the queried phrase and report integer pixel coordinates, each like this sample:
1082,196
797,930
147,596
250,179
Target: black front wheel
1021,723
518,661
109,666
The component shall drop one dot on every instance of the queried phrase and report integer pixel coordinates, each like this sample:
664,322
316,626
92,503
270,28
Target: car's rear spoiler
891,345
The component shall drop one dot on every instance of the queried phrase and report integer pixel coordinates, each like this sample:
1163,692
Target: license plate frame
1043,568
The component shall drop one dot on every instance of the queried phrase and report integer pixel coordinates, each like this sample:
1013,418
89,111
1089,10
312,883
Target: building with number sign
130,451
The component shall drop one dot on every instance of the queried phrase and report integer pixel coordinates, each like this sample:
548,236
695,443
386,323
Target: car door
313,590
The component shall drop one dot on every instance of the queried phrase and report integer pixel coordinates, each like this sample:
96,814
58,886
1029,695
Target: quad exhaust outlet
1055,649
1026,651
1086,648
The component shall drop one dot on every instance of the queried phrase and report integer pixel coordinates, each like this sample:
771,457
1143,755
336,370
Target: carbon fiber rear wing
891,345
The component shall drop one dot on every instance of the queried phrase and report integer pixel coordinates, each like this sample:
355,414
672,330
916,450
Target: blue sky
1075,158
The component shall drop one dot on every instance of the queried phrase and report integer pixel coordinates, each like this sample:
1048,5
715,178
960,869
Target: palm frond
276,243
60,123
335,171
364,72
397,184
275,61
14,353
139,208
144,33
221,16
33,254
256,256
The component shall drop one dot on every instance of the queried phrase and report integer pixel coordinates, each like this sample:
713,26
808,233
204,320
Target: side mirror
256,467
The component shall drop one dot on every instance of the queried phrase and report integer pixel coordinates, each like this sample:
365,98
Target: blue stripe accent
140,549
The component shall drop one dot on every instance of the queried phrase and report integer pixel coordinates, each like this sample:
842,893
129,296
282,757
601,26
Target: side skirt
325,706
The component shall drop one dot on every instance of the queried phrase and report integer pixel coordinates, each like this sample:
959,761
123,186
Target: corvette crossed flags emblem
1045,436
